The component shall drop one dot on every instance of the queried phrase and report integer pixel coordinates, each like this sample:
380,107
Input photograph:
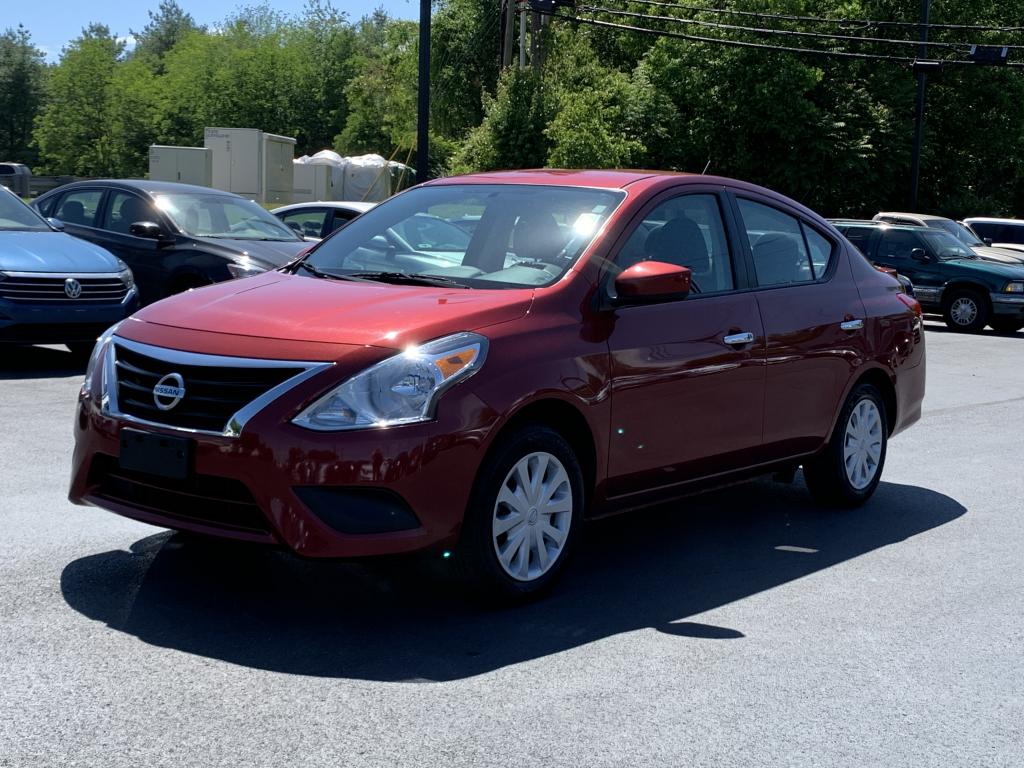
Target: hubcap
532,516
963,311
862,448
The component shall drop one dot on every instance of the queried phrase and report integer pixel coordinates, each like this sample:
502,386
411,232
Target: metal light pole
423,101
922,80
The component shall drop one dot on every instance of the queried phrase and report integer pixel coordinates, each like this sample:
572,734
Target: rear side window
309,223
860,238
785,250
80,207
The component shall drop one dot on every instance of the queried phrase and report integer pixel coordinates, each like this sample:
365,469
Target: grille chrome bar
40,286
241,408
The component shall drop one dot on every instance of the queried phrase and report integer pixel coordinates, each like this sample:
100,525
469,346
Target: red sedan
603,340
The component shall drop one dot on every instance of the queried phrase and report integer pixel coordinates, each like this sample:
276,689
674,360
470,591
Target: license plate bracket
155,454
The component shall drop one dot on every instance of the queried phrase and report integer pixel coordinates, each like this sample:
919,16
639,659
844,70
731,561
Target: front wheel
848,471
966,311
523,517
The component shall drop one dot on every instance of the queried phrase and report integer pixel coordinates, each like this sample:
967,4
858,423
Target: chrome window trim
235,424
61,275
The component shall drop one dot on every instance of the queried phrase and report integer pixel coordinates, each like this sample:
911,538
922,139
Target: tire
1005,324
500,514
966,311
831,480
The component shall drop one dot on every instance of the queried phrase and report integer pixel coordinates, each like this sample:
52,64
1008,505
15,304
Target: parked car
997,232
905,282
957,229
173,236
315,221
54,288
970,292
16,177
606,340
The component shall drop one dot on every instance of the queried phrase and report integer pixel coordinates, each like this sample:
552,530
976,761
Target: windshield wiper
405,278
316,272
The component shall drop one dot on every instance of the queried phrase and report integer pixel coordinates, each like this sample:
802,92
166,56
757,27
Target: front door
142,254
687,375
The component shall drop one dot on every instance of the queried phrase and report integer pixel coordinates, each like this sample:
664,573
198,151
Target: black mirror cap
147,229
987,241
919,254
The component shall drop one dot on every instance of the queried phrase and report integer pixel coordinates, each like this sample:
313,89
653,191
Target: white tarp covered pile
368,178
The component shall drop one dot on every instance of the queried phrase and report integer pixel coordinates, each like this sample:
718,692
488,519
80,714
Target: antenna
704,172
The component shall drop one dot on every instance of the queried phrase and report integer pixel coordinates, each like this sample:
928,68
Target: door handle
852,325
738,339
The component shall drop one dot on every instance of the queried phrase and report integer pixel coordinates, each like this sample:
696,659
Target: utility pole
423,100
508,32
922,81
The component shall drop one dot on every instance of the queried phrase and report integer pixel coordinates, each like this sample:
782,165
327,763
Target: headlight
125,273
400,390
96,358
244,269
1017,286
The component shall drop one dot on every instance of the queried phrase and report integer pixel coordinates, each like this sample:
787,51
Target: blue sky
54,23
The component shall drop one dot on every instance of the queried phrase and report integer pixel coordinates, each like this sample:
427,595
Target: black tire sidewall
826,474
475,550
980,319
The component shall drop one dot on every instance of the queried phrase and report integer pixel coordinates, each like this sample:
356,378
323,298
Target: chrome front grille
219,393
50,288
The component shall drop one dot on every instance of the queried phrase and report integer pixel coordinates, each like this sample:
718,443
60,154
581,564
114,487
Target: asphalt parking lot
745,627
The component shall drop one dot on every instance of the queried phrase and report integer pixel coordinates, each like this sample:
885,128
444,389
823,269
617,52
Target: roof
607,179
152,187
991,220
345,205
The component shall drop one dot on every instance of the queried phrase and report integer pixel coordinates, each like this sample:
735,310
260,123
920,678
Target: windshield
15,216
960,232
945,246
524,236
211,215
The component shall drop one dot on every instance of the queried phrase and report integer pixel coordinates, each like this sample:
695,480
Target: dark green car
969,291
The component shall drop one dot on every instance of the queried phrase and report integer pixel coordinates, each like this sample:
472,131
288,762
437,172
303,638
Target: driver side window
686,231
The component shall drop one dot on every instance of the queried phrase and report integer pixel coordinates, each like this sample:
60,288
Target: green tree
22,71
168,25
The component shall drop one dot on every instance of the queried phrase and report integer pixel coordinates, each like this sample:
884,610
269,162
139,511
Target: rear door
687,375
813,322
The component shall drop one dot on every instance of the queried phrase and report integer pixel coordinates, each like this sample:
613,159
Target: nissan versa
605,340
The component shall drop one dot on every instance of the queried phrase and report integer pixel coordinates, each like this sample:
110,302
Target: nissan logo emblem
72,288
168,391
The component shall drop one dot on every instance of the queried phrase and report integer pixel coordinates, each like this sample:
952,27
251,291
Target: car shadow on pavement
39,363
407,620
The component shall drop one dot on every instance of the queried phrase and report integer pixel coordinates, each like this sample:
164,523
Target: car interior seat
778,259
73,212
132,211
537,236
679,241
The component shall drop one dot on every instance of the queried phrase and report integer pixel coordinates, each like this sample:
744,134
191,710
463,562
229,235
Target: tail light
911,303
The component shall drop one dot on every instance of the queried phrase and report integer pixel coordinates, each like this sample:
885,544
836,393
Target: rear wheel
1005,324
966,311
523,517
847,472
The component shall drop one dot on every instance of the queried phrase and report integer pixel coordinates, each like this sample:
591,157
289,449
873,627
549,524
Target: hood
52,252
272,253
298,308
1010,270
999,255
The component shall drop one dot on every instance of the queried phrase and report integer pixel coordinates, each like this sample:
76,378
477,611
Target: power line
765,30
843,22
760,46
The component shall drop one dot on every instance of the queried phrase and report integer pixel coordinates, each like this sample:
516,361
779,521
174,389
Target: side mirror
987,241
148,230
56,224
651,281
919,254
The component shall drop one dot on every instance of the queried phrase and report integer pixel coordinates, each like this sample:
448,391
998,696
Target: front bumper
1008,305
264,485
52,323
